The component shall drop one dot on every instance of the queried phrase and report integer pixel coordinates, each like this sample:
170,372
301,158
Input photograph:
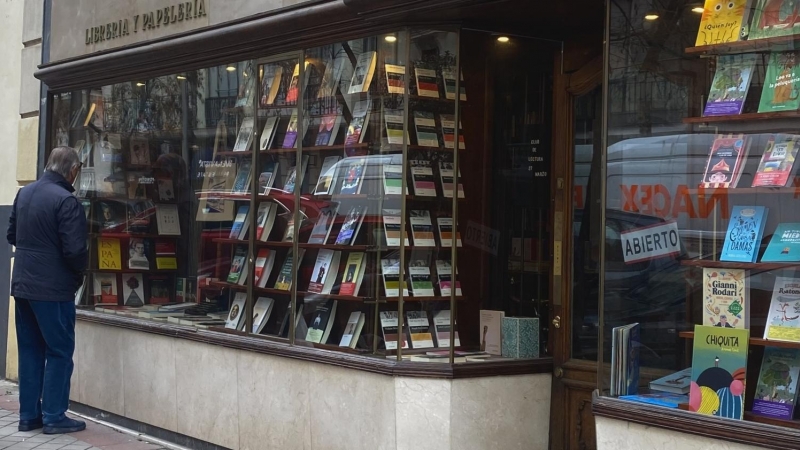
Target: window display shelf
747,117
766,266
745,191
778,43
758,342
246,242
411,298
157,271
123,235
302,294
770,421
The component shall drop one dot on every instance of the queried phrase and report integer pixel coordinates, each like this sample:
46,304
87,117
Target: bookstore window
311,198
701,305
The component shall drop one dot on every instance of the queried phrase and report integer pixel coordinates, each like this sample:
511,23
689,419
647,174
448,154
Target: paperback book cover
261,312
363,73
778,162
133,289
266,180
427,85
422,177
139,252
422,228
491,328
327,176
441,324
419,329
725,161
238,227
268,133
270,84
324,224
419,272
393,228
238,265
743,238
784,245
730,85
444,271
325,269
321,323
358,125
161,288
290,138
448,123
394,126
664,399
293,178
236,312
167,220
267,211
446,174
353,274
675,383
245,136
264,262
351,225
353,176
425,125
352,330
105,288
109,256
332,75
726,301
390,271
625,348
393,179
721,22
776,391
783,317
285,277
328,130
294,84
445,226
773,18
719,371
395,78
450,85
390,329
242,183
781,91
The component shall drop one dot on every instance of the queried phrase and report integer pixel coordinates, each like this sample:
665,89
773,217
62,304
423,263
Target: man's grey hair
62,160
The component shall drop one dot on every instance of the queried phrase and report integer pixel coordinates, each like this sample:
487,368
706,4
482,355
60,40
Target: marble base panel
244,400
615,434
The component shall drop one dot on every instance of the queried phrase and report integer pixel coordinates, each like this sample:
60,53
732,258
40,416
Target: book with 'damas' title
719,371
743,238
725,161
726,298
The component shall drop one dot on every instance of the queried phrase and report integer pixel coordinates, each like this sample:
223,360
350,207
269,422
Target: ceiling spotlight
390,38
503,39
698,9
181,77
139,83
651,17
231,68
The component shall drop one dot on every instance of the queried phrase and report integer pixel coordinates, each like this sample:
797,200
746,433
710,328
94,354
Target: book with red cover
725,161
778,162
165,247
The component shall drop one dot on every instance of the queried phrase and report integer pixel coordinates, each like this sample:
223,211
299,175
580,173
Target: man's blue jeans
46,342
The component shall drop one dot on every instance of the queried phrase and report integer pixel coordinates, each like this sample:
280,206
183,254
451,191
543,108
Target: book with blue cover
238,230
660,399
784,245
743,238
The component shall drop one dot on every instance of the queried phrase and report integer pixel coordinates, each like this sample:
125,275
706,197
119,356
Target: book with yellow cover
722,21
108,254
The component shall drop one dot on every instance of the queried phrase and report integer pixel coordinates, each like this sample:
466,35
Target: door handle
557,322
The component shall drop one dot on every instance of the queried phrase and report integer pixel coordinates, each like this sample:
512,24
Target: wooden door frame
577,71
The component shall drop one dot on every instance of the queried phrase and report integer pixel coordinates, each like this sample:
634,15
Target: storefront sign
651,242
484,238
166,16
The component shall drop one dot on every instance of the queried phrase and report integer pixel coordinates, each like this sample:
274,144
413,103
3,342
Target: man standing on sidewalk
48,228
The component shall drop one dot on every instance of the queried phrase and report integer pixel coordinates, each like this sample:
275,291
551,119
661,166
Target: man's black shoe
30,425
65,426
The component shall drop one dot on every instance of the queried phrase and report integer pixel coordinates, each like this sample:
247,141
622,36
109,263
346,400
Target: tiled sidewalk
95,437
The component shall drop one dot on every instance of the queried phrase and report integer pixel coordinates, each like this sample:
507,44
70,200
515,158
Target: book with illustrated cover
288,234
781,91
292,176
726,298
351,225
166,190
450,85
391,330
445,227
268,133
441,325
394,126
719,371
294,83
784,245
109,256
722,22
239,227
267,212
419,329
352,330
743,238
133,289
363,73
138,183
247,91
776,391
331,76
139,150
778,163
236,313
422,228
139,215
270,84
725,161
419,272
675,383
773,18
422,178
393,179
444,272
216,180
139,253
290,138
242,183
395,78
245,136
328,130
261,312
327,176
390,271
168,220
319,330
324,224
783,317
353,274
448,123
238,270
730,85
427,83
446,174
353,176
325,269
392,227
112,216
285,277
105,288
425,125
264,261
266,180
358,125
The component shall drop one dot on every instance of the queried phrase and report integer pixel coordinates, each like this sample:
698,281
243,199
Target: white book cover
132,289
446,173
422,228
332,75
358,125
245,136
422,177
325,269
267,271
395,78
268,133
393,179
427,83
783,318
449,77
392,227
441,325
445,226
168,220
419,329
420,274
352,330
425,125
389,328
261,312
265,220
324,224
491,329
394,126
236,312
448,123
327,176
390,271
444,272
362,75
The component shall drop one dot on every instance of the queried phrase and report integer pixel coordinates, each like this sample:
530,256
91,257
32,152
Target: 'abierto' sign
651,242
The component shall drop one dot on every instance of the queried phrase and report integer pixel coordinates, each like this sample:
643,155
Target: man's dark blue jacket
48,227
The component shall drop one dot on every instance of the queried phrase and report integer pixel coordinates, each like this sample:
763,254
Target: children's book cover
781,91
730,85
725,161
725,298
783,318
778,162
784,245
719,370
774,18
776,391
721,22
743,238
